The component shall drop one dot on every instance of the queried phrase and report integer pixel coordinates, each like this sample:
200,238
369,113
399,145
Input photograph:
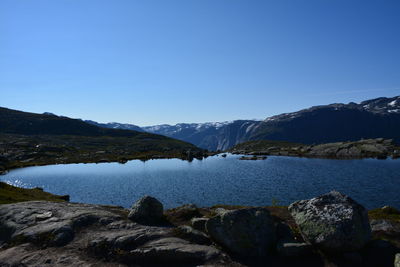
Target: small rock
44,216
220,210
332,222
397,260
146,210
199,224
385,226
245,232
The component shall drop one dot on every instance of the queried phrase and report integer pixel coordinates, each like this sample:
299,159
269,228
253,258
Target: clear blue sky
151,62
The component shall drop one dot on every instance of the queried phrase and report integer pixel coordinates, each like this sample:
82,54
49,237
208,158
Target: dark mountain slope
19,122
336,122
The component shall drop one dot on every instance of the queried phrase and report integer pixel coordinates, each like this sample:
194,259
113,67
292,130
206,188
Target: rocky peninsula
18,151
368,148
328,230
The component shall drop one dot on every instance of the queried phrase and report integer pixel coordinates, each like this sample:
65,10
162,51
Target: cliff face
211,136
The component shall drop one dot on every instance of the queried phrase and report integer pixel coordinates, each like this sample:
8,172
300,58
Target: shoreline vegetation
188,235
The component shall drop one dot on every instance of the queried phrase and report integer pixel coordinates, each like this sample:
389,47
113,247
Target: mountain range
373,118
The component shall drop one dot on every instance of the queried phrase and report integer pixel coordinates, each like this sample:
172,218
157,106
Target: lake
217,180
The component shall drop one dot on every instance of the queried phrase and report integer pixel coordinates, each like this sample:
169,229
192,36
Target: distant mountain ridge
116,125
379,117
319,124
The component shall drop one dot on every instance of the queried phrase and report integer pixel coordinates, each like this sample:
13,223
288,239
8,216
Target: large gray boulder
147,210
333,222
246,232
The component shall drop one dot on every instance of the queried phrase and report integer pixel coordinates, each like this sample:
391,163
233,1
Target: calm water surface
217,180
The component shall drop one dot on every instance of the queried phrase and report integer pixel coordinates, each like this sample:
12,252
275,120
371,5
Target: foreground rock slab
333,223
66,234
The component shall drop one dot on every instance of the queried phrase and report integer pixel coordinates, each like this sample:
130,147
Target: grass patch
385,213
11,194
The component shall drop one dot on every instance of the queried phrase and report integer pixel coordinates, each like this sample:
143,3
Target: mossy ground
388,213
11,194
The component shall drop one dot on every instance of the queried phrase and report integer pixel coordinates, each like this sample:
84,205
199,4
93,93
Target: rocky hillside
329,230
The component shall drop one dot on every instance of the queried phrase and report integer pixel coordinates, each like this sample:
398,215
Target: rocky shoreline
329,230
379,148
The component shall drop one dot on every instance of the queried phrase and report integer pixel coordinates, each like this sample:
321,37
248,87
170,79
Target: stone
199,224
44,216
333,222
220,210
397,260
246,232
385,226
147,210
192,235
294,249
